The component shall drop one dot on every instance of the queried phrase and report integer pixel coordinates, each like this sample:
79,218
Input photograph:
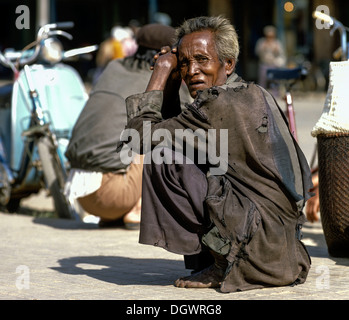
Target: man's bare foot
210,277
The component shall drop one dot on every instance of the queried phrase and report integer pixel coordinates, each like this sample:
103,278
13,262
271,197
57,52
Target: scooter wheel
13,205
54,176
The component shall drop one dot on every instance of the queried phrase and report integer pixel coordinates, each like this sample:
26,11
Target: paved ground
46,258
49,258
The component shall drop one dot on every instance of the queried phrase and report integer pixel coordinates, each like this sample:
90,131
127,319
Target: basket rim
333,135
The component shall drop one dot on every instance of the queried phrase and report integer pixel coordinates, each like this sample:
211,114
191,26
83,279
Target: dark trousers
173,211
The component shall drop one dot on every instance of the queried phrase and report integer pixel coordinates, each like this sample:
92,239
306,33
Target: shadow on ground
28,211
318,246
67,224
123,271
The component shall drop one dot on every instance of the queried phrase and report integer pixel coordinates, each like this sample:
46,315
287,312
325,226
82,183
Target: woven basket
333,153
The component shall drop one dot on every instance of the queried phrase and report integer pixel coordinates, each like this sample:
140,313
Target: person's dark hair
150,39
226,38
143,58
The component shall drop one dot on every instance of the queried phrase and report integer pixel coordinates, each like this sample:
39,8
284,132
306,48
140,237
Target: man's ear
229,66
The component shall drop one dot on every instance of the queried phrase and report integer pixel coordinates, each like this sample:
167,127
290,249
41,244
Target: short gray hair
227,43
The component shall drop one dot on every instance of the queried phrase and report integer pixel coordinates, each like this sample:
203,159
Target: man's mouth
195,84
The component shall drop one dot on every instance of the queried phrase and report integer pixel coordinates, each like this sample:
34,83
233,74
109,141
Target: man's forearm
161,80
158,79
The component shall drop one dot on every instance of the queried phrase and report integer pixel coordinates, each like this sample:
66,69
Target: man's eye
201,59
183,64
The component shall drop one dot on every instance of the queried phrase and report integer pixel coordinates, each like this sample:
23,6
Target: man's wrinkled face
199,64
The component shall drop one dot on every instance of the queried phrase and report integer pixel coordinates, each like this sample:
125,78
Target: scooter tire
5,187
54,176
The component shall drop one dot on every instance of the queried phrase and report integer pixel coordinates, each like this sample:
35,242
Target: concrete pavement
46,258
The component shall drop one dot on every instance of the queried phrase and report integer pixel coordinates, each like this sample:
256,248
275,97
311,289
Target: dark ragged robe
256,204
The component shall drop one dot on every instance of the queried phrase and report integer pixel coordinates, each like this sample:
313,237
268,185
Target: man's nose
193,68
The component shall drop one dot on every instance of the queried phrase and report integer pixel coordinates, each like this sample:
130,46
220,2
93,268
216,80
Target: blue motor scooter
37,113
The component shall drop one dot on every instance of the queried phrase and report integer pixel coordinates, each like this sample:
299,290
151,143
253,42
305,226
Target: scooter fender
62,97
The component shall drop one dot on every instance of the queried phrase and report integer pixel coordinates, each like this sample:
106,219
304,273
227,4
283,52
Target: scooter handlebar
336,25
62,25
80,51
45,32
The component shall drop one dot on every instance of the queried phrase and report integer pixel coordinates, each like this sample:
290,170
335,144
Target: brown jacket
256,204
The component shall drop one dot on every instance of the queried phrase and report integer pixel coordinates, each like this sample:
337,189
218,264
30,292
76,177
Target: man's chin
193,94
194,90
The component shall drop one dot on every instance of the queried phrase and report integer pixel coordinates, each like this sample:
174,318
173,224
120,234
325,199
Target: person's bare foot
132,219
210,277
